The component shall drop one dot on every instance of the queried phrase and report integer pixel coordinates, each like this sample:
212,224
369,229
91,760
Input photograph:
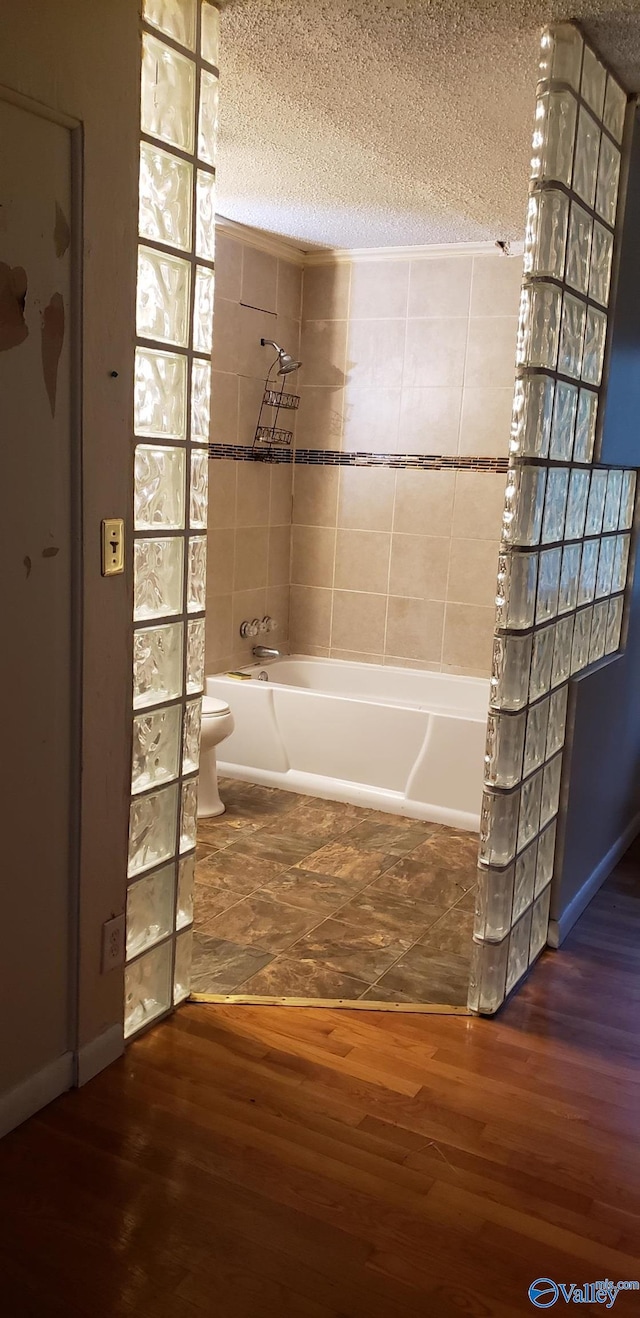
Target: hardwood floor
254,1162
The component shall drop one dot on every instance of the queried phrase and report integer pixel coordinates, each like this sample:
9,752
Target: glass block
147,989
536,738
165,197
503,749
577,500
615,108
564,420
532,415
539,925
553,136
578,248
525,878
581,640
191,736
159,475
516,590
601,258
529,815
594,77
498,828
569,577
585,167
156,739
594,341
518,962
197,574
585,426
608,181
571,336
561,54
555,505
162,297
561,668
588,571
152,828
548,584
510,672
199,488
182,967
475,975
605,567
167,94
210,33
598,631
493,903
614,625
188,814
620,562
177,18
149,910
205,215
627,500
200,401
612,501
524,504
546,233
157,664
160,399
203,310
595,505
195,655
550,801
557,721
546,855
208,117
539,325
186,882
541,662
157,578
488,974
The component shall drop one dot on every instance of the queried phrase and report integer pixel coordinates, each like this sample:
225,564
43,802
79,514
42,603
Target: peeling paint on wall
52,340
13,293
61,231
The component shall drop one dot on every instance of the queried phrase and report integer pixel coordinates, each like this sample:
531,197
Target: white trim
99,1053
558,929
20,1103
264,242
422,252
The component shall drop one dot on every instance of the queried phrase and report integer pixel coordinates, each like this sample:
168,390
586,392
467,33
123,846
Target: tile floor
305,898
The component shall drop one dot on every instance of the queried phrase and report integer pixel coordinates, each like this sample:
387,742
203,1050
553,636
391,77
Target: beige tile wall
256,295
416,356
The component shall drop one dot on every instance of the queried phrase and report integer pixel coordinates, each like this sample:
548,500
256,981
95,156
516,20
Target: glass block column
174,326
566,532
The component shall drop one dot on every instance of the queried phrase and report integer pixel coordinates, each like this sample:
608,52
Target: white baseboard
98,1054
20,1103
558,929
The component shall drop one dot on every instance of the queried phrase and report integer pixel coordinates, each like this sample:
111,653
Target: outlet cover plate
113,932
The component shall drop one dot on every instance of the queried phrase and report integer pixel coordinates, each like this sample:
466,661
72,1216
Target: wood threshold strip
252,1000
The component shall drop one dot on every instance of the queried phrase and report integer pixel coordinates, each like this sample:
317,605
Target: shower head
287,363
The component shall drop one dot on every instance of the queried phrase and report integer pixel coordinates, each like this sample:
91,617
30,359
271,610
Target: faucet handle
268,624
249,629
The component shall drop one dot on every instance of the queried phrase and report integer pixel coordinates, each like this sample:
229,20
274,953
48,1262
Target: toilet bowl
217,723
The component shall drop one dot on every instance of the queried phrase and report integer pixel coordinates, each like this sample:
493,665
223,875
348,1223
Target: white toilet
217,723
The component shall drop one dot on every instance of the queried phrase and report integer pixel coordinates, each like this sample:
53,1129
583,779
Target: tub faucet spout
265,652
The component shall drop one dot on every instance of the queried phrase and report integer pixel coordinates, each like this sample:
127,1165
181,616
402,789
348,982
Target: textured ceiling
390,122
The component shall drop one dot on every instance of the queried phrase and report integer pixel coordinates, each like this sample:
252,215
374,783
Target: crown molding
419,252
264,242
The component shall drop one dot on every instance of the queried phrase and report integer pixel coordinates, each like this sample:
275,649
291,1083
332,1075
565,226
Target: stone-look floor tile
264,922
222,967
318,892
429,880
220,832
468,900
393,838
277,847
378,994
209,902
371,911
322,819
203,850
421,976
303,979
343,947
452,933
345,862
456,849
235,872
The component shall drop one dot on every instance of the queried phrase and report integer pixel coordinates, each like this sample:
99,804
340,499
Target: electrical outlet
112,943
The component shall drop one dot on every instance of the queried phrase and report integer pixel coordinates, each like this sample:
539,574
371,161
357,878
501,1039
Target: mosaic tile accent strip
337,458
566,532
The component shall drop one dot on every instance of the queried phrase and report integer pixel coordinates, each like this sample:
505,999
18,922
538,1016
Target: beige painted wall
257,295
403,356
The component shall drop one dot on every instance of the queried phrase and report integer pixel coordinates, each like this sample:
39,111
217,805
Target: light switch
112,546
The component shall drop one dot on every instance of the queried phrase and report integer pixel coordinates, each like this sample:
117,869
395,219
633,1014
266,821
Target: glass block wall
174,324
565,543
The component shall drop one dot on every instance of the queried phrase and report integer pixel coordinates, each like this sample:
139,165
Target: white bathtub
395,739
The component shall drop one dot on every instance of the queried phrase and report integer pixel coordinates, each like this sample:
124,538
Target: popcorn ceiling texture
383,124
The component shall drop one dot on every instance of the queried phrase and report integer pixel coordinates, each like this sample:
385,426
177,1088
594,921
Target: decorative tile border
314,457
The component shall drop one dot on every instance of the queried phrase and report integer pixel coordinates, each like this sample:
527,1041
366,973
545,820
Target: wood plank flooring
255,1162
